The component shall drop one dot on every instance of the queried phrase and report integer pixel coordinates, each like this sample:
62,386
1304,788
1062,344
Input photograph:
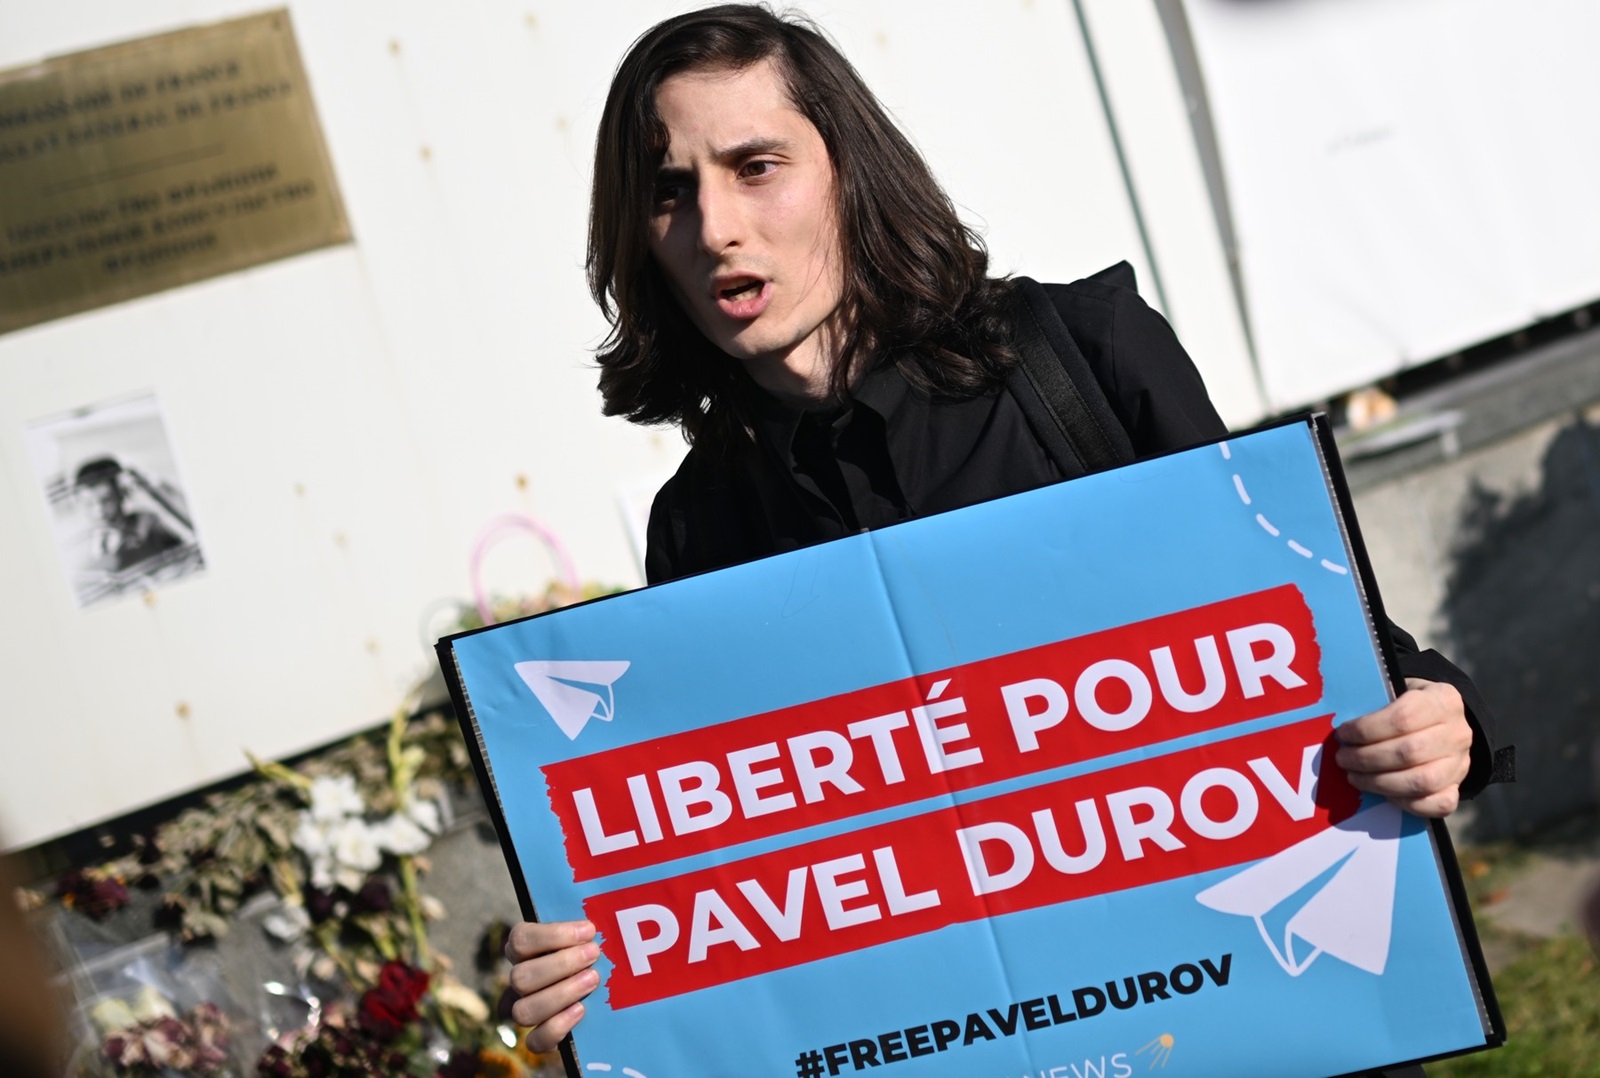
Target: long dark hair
915,278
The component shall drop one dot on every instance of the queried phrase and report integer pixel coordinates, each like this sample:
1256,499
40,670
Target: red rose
392,1004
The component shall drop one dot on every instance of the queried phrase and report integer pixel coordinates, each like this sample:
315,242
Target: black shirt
892,452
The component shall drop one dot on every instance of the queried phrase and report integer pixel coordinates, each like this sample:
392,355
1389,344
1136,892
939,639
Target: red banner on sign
1183,813
904,741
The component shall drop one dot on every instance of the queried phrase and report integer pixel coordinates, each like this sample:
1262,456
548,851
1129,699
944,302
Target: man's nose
721,219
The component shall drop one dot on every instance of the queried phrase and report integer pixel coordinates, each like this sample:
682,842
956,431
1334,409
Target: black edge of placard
1378,618
1461,908
468,721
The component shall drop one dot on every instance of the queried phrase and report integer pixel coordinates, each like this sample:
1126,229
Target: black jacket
893,453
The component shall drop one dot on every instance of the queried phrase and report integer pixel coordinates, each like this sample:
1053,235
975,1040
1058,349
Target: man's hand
551,973
1416,751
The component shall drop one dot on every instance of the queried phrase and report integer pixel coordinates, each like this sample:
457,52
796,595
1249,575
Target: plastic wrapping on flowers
142,1013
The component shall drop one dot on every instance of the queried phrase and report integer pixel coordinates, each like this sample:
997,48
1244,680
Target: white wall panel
1409,177
1003,102
1151,115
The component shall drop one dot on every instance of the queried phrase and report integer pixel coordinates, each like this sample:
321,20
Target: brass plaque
154,163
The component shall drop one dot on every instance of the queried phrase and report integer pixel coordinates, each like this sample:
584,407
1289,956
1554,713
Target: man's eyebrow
748,148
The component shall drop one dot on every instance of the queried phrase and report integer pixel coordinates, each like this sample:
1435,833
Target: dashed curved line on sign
1267,525
628,1072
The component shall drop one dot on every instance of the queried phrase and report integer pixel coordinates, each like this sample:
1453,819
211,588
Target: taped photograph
117,507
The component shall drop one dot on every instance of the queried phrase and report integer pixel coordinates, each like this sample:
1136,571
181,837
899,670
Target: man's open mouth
743,290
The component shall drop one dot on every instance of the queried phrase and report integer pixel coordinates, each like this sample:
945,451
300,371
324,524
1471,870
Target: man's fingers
1424,704
1435,806
1419,750
1413,784
546,1036
551,973
554,1010
530,939
539,973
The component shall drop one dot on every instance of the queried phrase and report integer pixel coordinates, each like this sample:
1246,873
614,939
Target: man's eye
667,193
755,170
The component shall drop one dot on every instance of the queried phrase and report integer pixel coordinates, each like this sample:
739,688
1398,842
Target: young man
789,284
123,539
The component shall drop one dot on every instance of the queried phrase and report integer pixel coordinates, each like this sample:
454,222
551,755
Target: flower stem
448,1021
327,935
419,930
271,769
398,779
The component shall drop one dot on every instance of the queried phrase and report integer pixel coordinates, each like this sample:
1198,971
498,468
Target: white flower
322,872
315,840
312,837
355,852
333,797
341,850
400,834
425,814
355,845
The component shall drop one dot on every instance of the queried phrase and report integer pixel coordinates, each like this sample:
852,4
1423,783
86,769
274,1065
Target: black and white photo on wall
118,511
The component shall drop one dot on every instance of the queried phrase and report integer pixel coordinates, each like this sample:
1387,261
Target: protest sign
1043,787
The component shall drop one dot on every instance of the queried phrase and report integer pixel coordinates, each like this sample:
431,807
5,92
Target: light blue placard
1140,542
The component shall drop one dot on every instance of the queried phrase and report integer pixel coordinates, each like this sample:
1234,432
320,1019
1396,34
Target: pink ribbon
496,530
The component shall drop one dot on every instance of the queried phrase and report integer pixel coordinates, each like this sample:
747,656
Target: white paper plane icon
574,692
1350,916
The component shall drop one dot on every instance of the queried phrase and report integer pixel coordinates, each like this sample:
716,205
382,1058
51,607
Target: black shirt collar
776,422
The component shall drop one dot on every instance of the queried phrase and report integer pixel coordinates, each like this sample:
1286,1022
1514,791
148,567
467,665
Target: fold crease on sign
1349,917
574,692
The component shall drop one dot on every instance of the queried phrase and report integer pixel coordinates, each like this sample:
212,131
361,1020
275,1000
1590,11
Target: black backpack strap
1058,392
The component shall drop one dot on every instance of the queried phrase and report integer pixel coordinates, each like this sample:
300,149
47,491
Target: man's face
744,225
105,502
